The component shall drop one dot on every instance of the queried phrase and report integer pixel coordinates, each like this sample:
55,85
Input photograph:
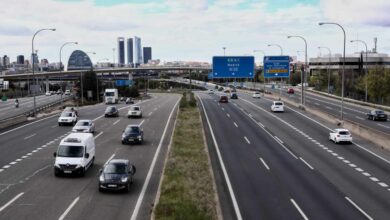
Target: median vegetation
187,190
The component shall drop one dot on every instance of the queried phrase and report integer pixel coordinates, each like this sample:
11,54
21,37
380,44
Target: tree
89,84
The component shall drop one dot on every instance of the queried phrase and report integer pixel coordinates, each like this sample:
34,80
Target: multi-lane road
282,165
29,189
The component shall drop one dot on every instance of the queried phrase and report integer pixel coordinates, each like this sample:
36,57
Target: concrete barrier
12,121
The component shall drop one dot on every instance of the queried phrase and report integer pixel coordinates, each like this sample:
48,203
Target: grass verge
187,190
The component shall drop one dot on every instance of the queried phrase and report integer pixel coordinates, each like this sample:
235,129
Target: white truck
111,96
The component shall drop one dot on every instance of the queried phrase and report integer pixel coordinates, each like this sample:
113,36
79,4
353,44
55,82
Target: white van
75,154
277,106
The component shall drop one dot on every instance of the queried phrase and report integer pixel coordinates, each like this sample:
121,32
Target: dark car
377,115
223,99
117,174
233,95
111,111
133,134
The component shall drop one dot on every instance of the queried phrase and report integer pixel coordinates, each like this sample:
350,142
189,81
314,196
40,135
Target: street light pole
363,42
224,48
97,82
330,56
113,56
66,43
277,45
303,73
33,60
343,73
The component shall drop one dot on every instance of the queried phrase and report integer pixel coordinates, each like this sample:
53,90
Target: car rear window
136,108
278,103
344,132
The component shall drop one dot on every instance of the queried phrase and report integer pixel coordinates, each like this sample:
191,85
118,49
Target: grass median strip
187,190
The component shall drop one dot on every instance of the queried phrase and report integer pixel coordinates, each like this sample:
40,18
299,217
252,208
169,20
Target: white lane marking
359,118
98,134
229,185
150,113
151,168
250,115
358,208
6,166
277,139
316,103
264,163
307,164
382,125
11,201
13,163
383,184
110,158
53,126
247,140
1,170
227,114
141,122
116,122
69,208
223,109
235,124
259,123
328,107
29,136
299,209
374,179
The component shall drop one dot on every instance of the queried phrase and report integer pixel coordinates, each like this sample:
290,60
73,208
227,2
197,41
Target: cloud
367,12
11,30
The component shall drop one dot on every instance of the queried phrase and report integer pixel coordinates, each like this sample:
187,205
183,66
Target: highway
7,108
29,189
282,165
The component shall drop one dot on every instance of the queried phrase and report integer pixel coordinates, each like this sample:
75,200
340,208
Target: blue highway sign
122,82
276,66
233,66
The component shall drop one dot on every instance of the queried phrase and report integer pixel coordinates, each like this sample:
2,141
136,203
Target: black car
233,96
117,174
111,111
133,134
377,115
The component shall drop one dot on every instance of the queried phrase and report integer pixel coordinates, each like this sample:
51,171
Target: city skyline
192,30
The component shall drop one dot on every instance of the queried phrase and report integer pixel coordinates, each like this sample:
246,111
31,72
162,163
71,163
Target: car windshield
344,132
132,130
70,151
115,168
82,123
135,108
380,112
257,93
110,109
109,94
66,114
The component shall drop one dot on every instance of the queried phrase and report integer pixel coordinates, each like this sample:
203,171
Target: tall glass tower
137,51
130,51
121,51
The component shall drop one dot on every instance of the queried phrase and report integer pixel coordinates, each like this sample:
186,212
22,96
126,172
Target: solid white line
358,208
307,164
278,140
112,156
247,140
235,124
149,175
69,208
116,122
359,118
265,164
141,122
29,136
299,209
150,113
382,125
53,126
228,183
98,134
11,201
223,109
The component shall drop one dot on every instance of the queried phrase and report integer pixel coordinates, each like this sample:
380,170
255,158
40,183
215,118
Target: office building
6,62
130,51
20,59
79,60
121,51
147,51
137,51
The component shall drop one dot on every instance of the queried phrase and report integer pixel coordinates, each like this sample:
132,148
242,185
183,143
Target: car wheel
100,189
123,142
82,172
128,116
335,141
56,172
59,124
127,188
131,180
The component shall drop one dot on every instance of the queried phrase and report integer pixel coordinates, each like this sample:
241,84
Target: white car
84,126
67,118
211,91
134,111
48,93
340,135
256,95
67,92
277,106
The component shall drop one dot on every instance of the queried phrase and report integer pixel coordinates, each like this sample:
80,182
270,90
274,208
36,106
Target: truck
111,96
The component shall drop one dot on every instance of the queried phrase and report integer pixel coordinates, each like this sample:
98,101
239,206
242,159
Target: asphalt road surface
29,189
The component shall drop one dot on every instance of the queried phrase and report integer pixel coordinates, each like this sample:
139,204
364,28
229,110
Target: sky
192,30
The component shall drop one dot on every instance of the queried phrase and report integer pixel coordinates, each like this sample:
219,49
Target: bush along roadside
187,191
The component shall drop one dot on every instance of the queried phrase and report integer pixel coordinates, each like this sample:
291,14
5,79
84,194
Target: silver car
84,126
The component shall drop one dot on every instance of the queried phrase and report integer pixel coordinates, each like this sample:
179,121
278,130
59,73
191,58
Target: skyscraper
20,59
121,51
130,51
137,51
147,54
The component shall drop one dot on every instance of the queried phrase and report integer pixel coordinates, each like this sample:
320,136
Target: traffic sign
123,82
276,66
233,66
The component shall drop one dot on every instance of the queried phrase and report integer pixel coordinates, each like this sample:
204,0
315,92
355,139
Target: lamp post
277,45
343,72
33,59
113,56
303,73
363,42
224,48
66,43
330,56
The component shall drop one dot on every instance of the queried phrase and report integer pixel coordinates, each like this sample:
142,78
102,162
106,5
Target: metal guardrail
46,106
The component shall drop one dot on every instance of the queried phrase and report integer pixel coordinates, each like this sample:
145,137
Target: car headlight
78,166
124,179
74,130
101,178
123,136
57,165
139,136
